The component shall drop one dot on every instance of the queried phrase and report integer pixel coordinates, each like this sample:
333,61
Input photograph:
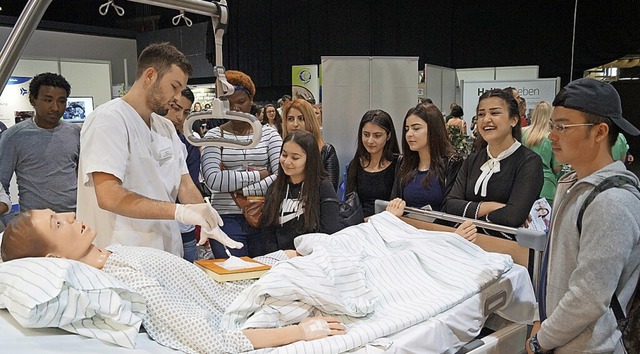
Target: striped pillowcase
54,292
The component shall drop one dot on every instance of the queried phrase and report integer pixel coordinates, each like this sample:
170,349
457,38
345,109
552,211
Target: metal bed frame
531,239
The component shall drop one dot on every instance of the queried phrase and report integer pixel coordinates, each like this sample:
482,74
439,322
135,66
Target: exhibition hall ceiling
136,17
564,38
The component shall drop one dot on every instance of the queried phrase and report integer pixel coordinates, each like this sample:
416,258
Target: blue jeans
236,227
190,250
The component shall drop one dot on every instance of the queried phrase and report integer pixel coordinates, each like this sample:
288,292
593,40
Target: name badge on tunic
162,149
164,155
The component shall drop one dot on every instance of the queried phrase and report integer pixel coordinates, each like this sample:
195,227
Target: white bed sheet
431,266
19,340
441,334
450,330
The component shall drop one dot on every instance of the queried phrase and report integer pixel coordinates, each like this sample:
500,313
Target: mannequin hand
218,235
320,327
201,214
396,207
467,230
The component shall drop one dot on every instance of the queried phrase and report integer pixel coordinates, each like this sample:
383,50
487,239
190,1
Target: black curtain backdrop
266,37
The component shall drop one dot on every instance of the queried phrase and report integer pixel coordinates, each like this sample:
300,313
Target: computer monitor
78,108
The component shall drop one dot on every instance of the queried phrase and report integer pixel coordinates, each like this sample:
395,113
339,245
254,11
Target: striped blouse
235,175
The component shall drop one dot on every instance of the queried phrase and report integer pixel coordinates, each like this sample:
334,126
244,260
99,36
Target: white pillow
55,292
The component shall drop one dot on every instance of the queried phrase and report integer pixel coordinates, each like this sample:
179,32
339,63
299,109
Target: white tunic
149,162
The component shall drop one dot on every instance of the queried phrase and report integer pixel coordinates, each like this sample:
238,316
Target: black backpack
629,325
350,210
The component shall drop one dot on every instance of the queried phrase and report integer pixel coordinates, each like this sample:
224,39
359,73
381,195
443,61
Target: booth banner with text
14,102
533,91
305,82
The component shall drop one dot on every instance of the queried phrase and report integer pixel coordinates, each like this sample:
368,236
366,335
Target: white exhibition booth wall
464,86
353,85
441,85
533,91
88,78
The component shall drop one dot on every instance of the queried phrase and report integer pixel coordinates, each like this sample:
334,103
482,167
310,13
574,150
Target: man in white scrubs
132,167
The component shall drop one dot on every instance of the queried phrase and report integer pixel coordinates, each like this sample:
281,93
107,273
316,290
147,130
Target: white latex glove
201,214
218,235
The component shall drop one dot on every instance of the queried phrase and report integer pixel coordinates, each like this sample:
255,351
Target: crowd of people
139,182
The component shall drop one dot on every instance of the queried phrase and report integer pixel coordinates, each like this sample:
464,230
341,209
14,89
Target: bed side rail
533,239
525,239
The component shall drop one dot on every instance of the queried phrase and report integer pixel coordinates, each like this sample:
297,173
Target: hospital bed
510,297
495,320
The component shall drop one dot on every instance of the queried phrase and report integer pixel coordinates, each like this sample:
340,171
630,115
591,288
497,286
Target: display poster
533,91
305,82
14,101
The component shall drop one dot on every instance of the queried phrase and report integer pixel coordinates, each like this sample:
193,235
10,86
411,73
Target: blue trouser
236,227
190,246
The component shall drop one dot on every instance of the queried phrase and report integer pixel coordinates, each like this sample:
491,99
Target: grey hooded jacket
584,270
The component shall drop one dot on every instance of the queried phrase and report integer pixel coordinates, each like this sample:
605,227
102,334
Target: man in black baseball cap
586,262
595,97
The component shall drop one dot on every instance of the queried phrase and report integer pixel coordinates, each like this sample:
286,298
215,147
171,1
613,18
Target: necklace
382,164
245,163
246,129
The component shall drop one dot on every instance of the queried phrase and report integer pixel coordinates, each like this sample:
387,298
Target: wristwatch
535,347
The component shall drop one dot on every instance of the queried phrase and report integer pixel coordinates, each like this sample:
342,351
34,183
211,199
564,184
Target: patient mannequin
184,305
467,229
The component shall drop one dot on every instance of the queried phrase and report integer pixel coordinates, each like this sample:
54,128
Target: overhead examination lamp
219,14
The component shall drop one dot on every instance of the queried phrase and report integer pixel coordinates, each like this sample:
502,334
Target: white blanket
380,277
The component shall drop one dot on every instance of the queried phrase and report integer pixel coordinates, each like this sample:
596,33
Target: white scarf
492,166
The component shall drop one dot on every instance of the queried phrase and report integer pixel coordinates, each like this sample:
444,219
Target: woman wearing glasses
535,138
500,181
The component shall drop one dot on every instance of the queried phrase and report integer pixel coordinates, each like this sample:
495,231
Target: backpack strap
607,183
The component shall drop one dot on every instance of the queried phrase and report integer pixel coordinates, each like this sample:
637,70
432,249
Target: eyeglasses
561,127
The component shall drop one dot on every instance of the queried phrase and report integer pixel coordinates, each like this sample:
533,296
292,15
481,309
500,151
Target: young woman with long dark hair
295,202
502,179
272,118
429,163
371,172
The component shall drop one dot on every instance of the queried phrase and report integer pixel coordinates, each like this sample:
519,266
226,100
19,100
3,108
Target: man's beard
154,102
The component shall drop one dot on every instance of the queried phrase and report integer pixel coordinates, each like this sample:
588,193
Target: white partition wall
353,85
441,86
517,72
77,72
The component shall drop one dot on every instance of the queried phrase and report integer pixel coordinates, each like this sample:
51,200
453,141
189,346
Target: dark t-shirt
417,195
374,185
281,236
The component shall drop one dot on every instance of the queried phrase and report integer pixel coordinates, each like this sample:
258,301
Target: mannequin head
45,233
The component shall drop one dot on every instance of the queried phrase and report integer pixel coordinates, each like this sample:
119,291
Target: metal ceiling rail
35,9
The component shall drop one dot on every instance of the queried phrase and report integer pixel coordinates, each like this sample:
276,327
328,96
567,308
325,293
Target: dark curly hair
48,79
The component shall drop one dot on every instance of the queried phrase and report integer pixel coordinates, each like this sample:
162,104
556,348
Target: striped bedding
380,277
57,292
